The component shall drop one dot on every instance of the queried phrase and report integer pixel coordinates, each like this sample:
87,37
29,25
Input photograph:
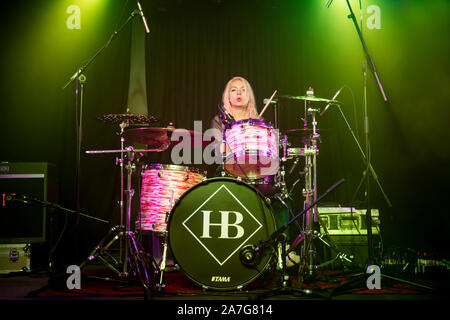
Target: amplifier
14,257
347,221
25,222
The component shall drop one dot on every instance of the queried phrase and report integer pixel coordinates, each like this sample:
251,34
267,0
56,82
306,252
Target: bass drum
211,227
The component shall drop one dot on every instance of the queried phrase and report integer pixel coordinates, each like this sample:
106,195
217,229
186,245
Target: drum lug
160,174
268,201
186,176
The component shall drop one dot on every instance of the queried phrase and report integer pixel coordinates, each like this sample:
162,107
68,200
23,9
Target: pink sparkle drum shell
162,185
251,149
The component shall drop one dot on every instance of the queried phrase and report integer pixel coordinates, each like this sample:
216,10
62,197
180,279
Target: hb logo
229,220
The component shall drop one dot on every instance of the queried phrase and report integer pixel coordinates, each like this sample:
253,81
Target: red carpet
105,283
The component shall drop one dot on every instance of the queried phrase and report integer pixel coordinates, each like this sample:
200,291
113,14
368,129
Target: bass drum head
210,226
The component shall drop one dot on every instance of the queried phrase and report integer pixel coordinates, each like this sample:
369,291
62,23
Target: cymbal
128,117
162,136
309,98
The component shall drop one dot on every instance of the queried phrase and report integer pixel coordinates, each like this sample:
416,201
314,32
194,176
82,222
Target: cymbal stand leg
307,250
140,262
310,194
162,265
122,243
163,262
280,180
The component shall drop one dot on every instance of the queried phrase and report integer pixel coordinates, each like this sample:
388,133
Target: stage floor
100,283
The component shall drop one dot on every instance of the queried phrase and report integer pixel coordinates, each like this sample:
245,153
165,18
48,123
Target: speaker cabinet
25,222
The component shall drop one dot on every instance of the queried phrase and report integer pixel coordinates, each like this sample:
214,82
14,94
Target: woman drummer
238,100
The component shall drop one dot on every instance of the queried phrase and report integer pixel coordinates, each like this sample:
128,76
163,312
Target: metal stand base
135,262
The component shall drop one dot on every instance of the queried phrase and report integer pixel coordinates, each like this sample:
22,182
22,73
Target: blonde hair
251,111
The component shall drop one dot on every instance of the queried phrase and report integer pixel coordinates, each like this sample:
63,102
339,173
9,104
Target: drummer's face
238,94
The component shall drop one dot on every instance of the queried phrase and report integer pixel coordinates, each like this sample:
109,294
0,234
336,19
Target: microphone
143,17
329,104
229,116
225,116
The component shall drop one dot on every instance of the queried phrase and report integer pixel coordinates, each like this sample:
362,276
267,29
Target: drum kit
216,228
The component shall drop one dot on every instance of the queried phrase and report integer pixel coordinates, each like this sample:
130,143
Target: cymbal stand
132,254
131,251
280,177
309,193
161,266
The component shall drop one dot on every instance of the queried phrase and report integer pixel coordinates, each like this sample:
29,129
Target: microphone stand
138,263
371,64
372,170
250,254
80,80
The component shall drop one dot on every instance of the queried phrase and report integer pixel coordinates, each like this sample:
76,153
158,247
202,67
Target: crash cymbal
309,98
128,118
163,136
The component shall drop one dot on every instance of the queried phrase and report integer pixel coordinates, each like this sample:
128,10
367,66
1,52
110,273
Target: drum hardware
278,237
162,265
309,152
132,255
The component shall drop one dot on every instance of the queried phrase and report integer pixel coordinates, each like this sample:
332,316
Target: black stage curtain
193,49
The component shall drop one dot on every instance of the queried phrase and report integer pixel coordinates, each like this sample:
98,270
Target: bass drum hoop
266,258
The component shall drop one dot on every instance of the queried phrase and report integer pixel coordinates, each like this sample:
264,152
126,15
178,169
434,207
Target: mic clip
250,255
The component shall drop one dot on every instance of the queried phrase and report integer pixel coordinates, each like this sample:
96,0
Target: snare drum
251,149
161,186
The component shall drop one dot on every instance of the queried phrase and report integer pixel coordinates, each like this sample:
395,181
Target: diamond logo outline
239,246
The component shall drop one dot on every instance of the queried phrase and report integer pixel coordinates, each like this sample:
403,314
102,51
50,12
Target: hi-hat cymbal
309,98
128,118
163,136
